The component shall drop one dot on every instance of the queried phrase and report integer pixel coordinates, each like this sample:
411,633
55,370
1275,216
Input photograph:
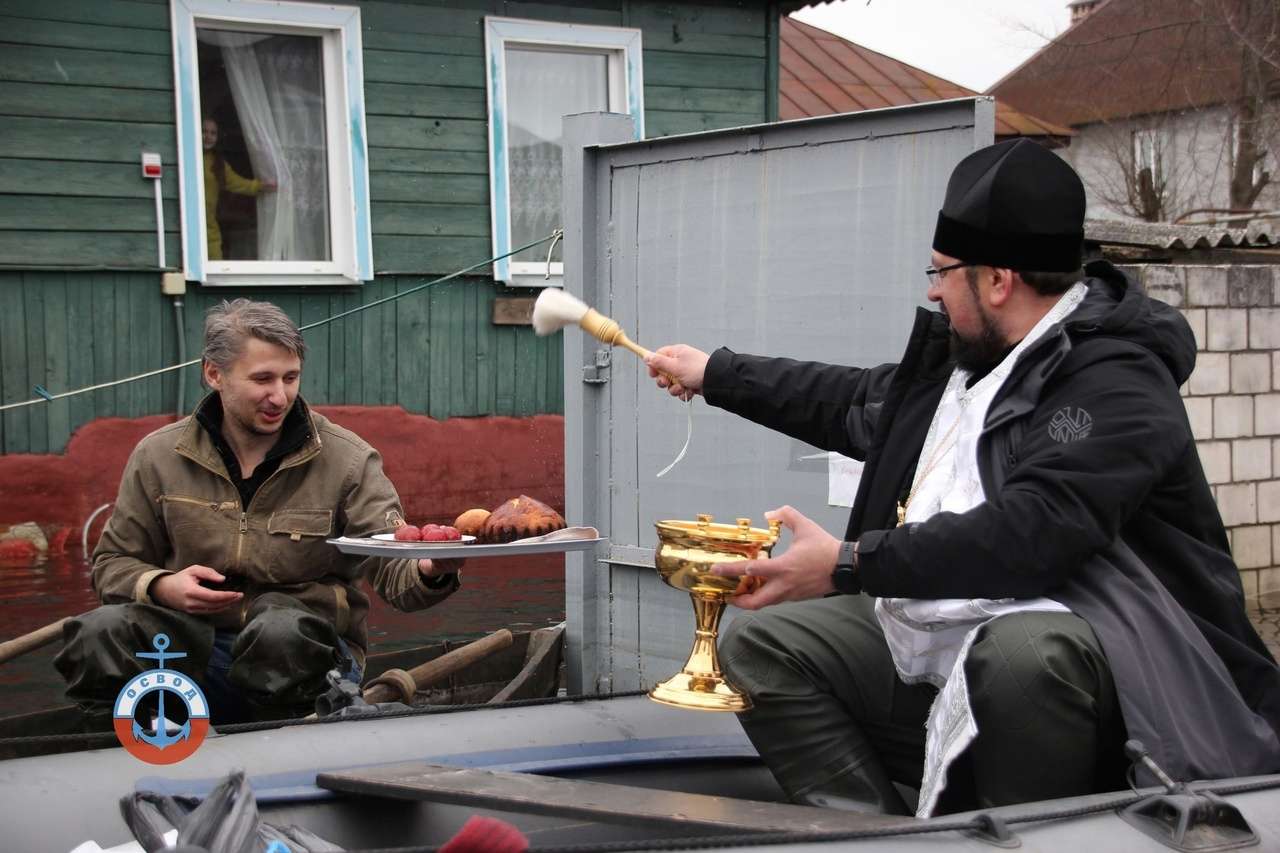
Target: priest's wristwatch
844,577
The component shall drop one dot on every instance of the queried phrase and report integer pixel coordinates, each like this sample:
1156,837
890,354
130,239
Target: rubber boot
864,788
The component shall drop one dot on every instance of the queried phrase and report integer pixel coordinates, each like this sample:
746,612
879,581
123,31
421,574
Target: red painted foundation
440,468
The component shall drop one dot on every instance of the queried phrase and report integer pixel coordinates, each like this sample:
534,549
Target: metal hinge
597,373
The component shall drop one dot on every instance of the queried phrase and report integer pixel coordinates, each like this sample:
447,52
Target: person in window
219,177
1034,567
218,539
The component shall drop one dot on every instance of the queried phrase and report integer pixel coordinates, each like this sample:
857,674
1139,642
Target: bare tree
1176,101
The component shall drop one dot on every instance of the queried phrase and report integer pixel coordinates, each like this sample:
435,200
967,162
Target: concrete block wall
1233,399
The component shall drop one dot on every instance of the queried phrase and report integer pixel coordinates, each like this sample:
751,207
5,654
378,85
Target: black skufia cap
1014,204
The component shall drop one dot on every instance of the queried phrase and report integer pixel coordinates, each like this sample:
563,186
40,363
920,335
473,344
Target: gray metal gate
806,239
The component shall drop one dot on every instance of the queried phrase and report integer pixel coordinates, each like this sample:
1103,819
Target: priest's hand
803,572
679,369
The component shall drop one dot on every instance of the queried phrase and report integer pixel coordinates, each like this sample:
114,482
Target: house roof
821,73
1259,234
1138,57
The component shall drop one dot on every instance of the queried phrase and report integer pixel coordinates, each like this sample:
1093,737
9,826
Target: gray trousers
828,701
275,666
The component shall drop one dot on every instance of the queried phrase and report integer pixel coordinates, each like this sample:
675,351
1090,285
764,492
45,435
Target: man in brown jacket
218,540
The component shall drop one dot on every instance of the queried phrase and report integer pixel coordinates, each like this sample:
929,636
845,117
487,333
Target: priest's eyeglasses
934,274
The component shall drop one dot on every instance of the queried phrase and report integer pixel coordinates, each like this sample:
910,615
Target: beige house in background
1175,105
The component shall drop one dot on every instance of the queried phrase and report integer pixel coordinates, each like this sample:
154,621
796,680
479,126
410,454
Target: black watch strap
845,575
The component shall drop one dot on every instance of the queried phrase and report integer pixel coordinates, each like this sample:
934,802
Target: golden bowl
686,552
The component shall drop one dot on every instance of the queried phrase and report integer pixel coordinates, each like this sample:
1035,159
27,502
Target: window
1146,154
273,169
538,73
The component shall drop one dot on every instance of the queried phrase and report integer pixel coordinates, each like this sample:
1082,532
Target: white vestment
930,638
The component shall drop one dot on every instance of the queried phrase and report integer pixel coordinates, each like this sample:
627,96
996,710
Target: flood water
520,594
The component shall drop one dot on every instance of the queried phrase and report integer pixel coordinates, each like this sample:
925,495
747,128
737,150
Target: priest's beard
981,352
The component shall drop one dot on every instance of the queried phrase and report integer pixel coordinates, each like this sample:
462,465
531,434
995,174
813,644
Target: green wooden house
360,150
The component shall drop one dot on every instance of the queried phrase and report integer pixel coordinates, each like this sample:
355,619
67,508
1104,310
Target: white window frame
1147,141
622,46
350,234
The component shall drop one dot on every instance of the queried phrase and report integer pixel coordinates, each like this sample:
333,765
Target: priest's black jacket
1095,497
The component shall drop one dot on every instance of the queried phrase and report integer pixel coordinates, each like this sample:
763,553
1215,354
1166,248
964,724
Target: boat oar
19,646
400,685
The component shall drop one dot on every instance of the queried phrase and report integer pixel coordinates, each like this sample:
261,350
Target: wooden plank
735,19
440,348
607,13
63,213
167,327
465,398
526,371
426,255
672,37
440,134
68,178
703,100
485,349
56,355
604,802
73,139
432,69
313,307
13,363
144,352
513,310
398,99
352,342
553,403
28,31
504,402
33,316
106,340
35,64
414,42
80,248
463,18
429,161
118,12
413,352
453,189
668,68
669,124
372,372
388,346
437,220
52,100
80,324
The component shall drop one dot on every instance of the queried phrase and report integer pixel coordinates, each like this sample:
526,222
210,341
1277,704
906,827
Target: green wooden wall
86,85
433,352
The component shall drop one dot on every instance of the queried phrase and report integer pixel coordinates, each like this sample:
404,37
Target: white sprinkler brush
556,309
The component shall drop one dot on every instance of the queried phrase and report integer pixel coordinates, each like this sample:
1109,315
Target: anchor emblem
160,738
158,745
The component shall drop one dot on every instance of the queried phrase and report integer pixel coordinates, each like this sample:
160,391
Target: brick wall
1233,400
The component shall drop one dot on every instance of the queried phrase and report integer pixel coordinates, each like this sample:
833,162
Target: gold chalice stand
686,552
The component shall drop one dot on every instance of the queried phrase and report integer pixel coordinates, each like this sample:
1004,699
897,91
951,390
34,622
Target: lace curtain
277,85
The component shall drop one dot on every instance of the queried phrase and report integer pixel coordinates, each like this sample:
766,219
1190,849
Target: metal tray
414,550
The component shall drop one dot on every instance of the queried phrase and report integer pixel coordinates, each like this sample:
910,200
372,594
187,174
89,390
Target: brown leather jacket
178,507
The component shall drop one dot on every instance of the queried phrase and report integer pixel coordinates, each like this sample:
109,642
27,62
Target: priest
1034,569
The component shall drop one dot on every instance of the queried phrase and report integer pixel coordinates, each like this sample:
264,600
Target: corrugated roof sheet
1138,57
1258,235
821,73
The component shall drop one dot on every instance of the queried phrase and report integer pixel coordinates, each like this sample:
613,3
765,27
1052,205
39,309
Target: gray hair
229,325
